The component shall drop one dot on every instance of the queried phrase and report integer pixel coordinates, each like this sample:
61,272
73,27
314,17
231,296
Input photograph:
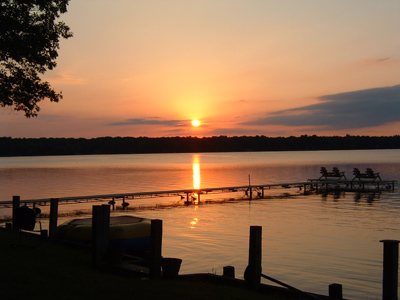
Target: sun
195,123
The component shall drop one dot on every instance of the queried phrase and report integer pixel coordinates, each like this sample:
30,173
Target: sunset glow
196,123
144,68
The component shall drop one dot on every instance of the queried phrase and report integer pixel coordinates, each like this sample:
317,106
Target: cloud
67,78
357,109
151,121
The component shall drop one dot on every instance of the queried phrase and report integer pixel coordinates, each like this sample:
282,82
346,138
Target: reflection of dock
247,191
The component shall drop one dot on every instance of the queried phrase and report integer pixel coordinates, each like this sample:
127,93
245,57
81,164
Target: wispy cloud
374,61
151,121
67,78
357,109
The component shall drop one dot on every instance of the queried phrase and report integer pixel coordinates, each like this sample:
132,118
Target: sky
239,67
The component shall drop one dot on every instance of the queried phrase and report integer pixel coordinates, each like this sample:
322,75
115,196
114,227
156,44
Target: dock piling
390,269
336,291
100,233
156,249
16,201
229,271
252,274
53,218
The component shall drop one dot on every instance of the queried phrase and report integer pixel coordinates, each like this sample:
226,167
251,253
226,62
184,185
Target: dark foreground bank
32,268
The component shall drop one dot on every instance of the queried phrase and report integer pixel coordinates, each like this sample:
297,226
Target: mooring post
390,269
97,238
336,291
252,274
100,233
229,271
106,227
53,218
16,203
156,249
112,202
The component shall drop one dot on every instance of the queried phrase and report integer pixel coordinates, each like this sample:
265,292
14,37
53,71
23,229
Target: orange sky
275,68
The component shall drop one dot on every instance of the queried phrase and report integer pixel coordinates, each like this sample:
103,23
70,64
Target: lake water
309,241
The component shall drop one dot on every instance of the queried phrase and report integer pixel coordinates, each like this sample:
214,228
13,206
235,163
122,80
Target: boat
126,232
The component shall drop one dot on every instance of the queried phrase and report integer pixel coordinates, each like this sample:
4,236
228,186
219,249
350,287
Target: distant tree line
129,145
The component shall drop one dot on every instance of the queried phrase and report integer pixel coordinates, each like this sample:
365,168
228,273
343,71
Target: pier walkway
249,191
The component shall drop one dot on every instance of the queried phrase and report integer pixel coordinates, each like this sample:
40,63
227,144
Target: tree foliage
29,42
131,145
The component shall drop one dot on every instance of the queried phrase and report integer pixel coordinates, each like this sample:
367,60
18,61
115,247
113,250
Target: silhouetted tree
29,41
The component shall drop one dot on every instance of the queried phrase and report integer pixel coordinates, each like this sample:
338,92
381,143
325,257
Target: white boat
126,232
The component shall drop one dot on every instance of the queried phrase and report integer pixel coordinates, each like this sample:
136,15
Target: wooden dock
249,192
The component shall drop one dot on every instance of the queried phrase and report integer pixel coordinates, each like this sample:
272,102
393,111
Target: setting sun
195,123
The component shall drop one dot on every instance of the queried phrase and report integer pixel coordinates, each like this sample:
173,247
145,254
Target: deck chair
25,219
373,175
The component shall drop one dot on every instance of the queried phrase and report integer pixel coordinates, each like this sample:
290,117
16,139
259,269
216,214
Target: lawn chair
369,174
25,219
373,175
335,173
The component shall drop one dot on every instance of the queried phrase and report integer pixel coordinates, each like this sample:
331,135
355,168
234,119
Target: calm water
308,241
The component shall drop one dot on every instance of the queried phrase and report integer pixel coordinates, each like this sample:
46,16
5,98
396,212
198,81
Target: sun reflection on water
194,222
196,177
196,171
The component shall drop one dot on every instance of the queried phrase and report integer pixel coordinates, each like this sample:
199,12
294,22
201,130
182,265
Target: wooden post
252,274
229,271
336,291
97,239
262,192
156,249
53,218
106,227
390,269
16,203
112,202
100,233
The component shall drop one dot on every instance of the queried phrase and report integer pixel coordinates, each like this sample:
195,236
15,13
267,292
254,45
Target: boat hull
126,232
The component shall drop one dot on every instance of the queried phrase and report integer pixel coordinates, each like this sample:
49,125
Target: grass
44,270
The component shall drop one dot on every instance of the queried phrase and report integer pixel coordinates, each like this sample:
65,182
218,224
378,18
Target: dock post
156,249
100,233
112,202
336,291
106,227
252,274
262,192
53,218
390,269
16,203
229,271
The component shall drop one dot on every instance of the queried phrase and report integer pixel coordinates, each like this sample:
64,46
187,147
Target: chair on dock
25,220
369,174
335,173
